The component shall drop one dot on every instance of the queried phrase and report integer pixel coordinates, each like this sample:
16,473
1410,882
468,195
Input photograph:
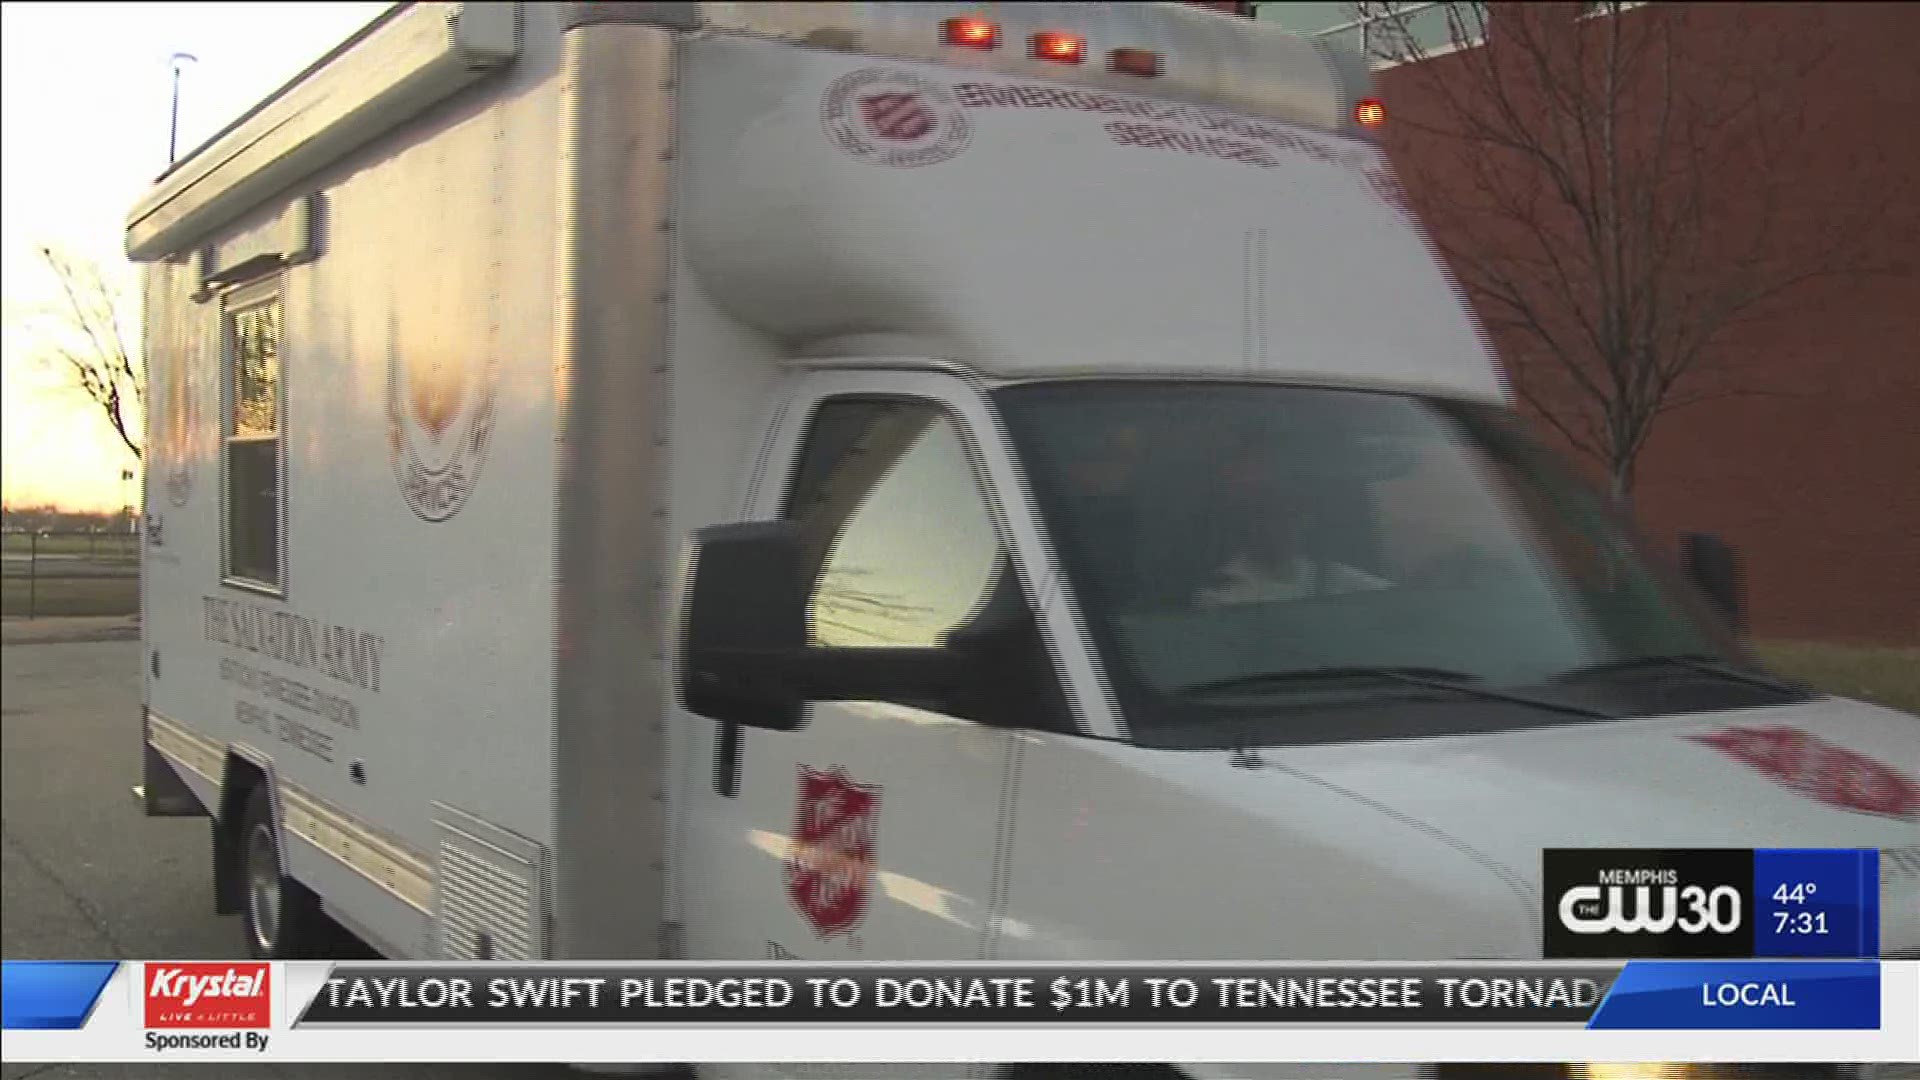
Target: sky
85,91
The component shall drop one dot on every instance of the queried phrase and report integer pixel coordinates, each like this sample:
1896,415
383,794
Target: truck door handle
726,762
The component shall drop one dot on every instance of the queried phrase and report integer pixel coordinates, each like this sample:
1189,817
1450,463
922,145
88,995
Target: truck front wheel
283,917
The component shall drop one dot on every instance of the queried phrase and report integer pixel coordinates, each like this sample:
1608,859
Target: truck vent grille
1899,886
490,899
1899,863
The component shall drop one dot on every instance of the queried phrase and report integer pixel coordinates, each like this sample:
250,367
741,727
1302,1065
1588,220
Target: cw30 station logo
208,1006
1628,903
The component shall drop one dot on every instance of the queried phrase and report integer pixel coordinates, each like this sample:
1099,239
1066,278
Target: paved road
84,874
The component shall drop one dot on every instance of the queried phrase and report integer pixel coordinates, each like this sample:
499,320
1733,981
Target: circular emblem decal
894,118
440,413
1386,187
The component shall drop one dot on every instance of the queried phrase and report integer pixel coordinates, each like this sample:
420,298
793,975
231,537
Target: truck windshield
1246,543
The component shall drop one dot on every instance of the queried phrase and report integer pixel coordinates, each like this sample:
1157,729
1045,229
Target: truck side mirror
747,659
1714,569
746,622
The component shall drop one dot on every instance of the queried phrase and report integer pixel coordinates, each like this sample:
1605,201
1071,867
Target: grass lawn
1889,675
72,596
106,546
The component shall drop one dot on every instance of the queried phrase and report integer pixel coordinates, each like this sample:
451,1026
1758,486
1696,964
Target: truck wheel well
229,878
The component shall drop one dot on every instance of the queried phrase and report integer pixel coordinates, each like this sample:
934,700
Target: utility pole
173,128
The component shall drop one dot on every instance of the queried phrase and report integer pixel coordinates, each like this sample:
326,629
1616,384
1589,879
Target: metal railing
49,572
1394,33
1389,33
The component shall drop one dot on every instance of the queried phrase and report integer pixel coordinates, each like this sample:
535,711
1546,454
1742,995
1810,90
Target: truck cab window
902,547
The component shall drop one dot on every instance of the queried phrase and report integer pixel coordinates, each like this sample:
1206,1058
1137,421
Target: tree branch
1621,199
103,366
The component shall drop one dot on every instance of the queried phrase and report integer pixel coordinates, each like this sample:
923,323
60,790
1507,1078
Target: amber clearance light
1139,62
970,33
1059,47
1369,113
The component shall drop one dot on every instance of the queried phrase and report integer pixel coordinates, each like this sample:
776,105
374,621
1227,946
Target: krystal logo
209,995
1819,770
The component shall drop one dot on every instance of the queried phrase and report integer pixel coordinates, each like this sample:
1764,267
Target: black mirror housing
746,655
747,658
745,625
1714,568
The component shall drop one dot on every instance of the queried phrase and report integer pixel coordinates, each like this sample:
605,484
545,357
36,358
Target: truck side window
901,543
252,430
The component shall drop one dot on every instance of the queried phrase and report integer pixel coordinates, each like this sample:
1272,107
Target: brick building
1812,470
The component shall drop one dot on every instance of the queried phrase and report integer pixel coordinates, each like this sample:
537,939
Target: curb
23,634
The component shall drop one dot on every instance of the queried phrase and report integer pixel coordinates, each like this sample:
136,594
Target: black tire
283,917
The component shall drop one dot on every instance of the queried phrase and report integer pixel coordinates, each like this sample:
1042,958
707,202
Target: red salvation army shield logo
1819,770
830,865
894,118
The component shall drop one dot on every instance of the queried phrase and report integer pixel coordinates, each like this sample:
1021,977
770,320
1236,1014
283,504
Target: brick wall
1815,477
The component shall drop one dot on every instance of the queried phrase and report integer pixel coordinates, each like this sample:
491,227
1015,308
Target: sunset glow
84,111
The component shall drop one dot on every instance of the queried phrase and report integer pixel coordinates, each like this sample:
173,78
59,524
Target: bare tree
91,341
1616,185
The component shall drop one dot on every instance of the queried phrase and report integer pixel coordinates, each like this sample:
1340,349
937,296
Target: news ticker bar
1805,994
218,1011
1637,995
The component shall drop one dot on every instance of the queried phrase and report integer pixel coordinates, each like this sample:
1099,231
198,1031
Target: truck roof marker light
1139,62
1369,113
1059,47
970,33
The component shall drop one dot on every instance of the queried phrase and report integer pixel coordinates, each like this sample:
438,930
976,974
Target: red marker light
1369,113
1059,47
970,33
1134,62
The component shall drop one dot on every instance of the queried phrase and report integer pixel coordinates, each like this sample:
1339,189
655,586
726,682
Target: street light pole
173,127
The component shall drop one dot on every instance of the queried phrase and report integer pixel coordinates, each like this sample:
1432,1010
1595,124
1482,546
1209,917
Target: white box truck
894,481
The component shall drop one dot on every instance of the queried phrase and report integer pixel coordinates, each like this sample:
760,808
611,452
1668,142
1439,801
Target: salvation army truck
895,481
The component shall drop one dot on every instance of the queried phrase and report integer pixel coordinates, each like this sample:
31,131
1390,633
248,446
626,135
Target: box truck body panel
1149,236
377,642
463,371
